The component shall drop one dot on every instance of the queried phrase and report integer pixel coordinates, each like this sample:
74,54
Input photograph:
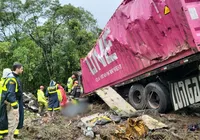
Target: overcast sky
102,10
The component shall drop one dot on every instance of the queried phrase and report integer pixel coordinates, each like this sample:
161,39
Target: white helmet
6,72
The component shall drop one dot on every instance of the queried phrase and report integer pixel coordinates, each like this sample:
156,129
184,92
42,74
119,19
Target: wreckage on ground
30,102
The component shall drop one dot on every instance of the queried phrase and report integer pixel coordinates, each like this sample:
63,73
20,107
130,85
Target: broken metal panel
115,102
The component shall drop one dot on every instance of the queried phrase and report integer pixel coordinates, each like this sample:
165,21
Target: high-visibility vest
54,89
59,95
69,84
40,96
3,87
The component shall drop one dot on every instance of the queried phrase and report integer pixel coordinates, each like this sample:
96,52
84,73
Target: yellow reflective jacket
40,96
54,89
1,86
70,84
59,95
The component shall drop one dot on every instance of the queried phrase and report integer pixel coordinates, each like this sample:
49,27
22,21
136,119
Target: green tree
46,37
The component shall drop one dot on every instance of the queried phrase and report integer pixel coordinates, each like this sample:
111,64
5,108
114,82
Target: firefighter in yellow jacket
41,100
54,98
6,72
11,105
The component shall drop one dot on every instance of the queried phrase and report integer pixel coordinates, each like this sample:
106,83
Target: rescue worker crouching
54,103
43,105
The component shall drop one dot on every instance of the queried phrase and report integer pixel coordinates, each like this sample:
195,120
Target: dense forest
46,37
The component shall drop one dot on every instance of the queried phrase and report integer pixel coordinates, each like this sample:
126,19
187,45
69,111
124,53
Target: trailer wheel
157,97
137,97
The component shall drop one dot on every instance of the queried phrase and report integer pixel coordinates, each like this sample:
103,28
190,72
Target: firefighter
11,109
6,72
43,105
54,103
70,83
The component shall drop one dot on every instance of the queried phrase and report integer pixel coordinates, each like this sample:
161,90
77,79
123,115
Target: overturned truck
149,49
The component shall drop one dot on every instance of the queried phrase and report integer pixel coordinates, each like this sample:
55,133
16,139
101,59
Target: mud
65,128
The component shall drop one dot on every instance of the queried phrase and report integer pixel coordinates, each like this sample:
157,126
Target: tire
157,97
137,97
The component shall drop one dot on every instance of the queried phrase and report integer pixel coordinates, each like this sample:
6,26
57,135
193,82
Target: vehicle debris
137,128
112,99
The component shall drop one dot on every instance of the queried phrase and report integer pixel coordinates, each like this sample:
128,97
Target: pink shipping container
142,36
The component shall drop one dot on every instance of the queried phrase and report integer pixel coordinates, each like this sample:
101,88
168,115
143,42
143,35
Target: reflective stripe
3,132
59,95
52,92
1,86
50,109
6,131
16,132
4,88
57,108
14,104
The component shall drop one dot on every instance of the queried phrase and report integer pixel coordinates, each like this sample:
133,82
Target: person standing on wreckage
54,103
11,107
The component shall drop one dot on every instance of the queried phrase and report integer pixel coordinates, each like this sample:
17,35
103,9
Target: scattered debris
133,129
169,118
88,132
148,126
151,123
197,114
30,102
194,127
116,102
137,128
114,118
100,119
86,120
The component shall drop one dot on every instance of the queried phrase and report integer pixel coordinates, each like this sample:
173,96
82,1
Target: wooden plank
115,102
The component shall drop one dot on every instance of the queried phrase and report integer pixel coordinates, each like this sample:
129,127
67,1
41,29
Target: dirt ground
65,128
